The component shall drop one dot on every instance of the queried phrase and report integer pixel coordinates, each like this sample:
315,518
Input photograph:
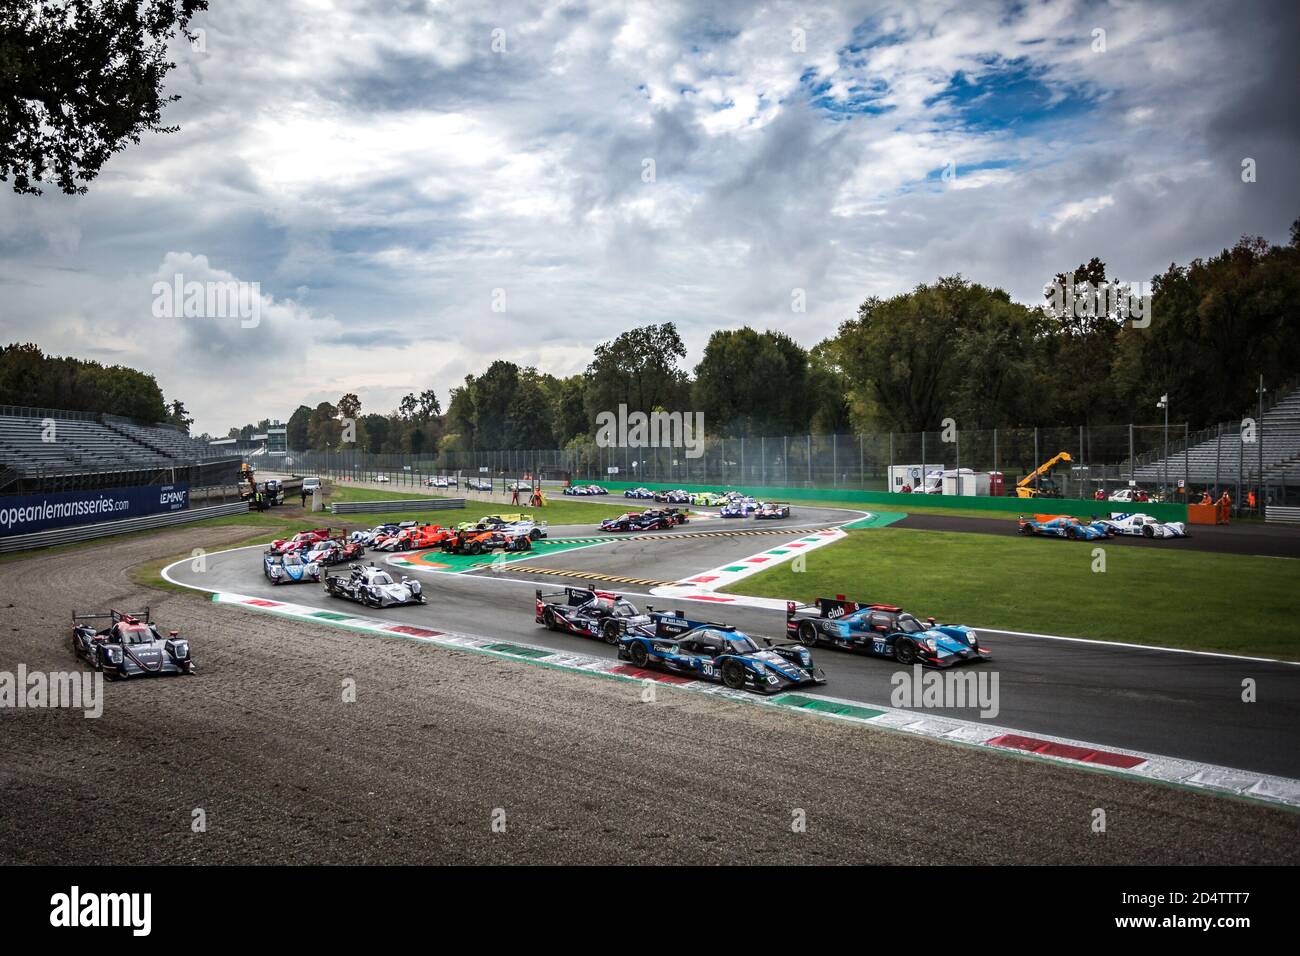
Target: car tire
807,634
610,633
733,675
904,651
525,544
548,619
475,548
1148,531
535,534
640,657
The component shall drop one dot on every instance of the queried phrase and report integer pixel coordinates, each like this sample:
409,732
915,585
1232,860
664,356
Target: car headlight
972,638
929,642
759,668
181,649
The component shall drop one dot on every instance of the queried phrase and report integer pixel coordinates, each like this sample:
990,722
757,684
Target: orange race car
482,542
432,536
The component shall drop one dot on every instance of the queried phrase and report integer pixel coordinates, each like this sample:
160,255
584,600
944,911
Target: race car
436,481
738,508
717,652
652,519
374,587
675,497
883,630
708,499
382,479
385,534
597,490
299,542
1144,526
638,493
478,484
770,511
431,536
403,539
290,569
367,536
599,614
1063,526
130,646
484,542
575,491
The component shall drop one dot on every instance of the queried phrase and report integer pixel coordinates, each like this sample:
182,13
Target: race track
1175,704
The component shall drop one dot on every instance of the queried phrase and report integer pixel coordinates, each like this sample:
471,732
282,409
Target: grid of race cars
131,644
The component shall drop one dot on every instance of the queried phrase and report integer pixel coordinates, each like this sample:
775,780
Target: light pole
1164,481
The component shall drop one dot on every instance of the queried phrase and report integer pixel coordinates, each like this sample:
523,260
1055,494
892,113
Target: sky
421,188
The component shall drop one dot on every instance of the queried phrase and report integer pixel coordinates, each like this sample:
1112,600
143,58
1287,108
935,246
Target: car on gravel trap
130,646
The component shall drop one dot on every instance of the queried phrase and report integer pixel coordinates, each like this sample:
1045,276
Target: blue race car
739,508
883,630
290,569
1064,526
638,493
718,653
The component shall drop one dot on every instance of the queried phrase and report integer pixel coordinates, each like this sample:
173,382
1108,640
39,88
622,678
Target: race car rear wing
837,606
575,597
670,623
114,615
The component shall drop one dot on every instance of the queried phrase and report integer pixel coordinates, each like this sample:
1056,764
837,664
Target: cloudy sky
394,174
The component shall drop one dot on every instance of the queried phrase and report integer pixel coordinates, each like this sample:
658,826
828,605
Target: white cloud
379,170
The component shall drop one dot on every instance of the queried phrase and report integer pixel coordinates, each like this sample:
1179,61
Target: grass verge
1189,599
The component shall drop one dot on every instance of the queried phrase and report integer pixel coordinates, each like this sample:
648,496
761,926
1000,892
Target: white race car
1145,526
527,527
374,587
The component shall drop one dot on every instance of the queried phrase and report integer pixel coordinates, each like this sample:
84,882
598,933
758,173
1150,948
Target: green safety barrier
1085,508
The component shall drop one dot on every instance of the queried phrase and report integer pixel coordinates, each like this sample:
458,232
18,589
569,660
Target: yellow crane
1046,487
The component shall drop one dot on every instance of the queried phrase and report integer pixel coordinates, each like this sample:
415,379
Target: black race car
131,646
600,614
652,519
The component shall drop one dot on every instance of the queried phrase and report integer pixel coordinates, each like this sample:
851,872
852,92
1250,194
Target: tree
323,428
1216,326
178,415
638,369
350,406
752,383
296,431
80,79
914,359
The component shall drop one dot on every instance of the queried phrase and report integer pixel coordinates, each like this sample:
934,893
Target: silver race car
374,587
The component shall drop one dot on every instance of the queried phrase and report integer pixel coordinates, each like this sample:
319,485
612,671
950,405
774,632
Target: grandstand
1220,456
49,450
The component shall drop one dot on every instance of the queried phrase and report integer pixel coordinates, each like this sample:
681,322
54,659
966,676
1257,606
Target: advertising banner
23,514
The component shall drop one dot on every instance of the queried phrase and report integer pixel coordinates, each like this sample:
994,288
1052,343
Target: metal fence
1168,462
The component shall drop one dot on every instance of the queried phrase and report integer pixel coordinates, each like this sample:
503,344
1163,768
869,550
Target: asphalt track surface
1174,704
1265,540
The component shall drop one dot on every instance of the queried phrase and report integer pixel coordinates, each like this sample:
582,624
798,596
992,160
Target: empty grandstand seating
1223,453
43,449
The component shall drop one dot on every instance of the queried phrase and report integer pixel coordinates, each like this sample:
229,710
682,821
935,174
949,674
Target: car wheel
610,632
475,548
548,619
535,534
904,651
733,675
807,634
639,656
525,544
1148,531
